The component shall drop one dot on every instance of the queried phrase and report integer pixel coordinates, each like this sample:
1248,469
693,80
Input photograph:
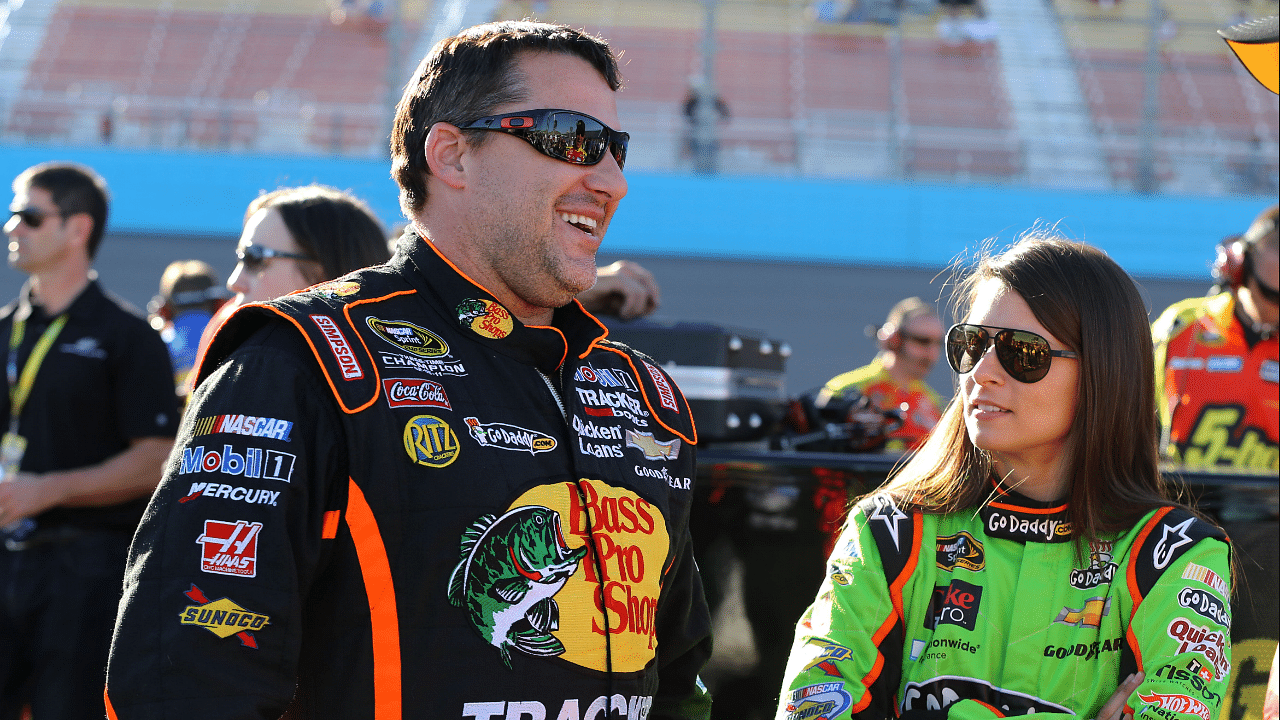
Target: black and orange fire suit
390,499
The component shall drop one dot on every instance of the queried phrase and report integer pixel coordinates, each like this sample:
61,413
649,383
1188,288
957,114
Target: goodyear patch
485,317
409,337
430,441
223,617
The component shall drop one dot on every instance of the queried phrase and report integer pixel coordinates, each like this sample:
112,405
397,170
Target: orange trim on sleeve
1131,578
320,359
648,404
106,698
329,530
899,616
383,617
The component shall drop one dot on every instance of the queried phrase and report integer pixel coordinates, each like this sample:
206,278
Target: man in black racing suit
434,489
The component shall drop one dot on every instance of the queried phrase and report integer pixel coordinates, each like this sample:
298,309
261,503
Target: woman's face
1020,424
275,276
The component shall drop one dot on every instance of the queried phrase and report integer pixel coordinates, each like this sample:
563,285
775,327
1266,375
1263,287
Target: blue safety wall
822,221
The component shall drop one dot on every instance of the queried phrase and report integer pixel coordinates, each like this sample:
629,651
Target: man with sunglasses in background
88,421
433,488
1217,361
910,343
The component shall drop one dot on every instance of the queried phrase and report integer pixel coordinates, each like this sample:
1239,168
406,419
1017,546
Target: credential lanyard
20,384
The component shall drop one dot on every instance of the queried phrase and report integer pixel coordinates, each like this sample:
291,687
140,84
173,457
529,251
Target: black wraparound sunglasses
1023,354
566,135
255,256
33,217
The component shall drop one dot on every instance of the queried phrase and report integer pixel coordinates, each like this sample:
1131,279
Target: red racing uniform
1217,389
923,406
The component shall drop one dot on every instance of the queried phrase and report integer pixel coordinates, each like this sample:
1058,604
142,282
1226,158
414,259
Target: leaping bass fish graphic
511,568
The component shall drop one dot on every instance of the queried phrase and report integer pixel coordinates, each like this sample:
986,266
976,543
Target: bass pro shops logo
530,581
485,318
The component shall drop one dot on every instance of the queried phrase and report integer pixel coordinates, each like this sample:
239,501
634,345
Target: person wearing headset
910,342
1216,360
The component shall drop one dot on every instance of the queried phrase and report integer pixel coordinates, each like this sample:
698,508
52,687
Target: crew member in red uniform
910,341
1216,361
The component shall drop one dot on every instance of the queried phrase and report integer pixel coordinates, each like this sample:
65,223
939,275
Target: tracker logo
666,396
1206,605
941,692
505,436
411,392
230,548
249,425
252,463
339,346
223,618
1211,644
611,399
608,412
651,448
231,492
636,706
608,377
954,604
960,550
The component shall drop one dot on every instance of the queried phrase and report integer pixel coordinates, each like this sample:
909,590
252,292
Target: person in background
623,289
88,420
910,342
1218,360
190,294
1027,559
475,504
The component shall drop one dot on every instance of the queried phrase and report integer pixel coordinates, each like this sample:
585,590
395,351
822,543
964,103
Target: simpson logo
411,392
828,654
1205,576
954,604
231,492
608,377
1205,605
653,449
338,344
579,551
1201,640
430,441
1101,570
1177,703
509,437
1172,537
409,337
223,618
666,396
1095,608
230,548
252,463
813,702
249,425
486,318
940,692
960,550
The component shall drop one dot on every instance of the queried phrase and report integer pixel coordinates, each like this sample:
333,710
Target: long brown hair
1083,298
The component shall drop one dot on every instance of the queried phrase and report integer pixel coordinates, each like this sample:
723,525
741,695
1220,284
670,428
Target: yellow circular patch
430,441
615,586
496,322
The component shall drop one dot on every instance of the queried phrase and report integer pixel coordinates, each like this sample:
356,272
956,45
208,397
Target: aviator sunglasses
1023,354
33,217
573,137
255,256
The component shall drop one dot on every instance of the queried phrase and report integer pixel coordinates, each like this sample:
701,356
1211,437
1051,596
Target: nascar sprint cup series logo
530,584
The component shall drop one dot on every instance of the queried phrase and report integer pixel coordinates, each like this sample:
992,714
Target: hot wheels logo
1177,703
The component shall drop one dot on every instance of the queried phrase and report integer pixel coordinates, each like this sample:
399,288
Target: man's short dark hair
465,77
75,188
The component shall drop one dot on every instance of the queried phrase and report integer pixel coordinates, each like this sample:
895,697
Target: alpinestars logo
1172,537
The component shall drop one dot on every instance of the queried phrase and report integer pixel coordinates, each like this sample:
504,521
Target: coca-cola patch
415,392
230,548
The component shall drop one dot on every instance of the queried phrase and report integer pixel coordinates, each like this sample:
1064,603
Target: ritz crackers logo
340,347
541,570
485,317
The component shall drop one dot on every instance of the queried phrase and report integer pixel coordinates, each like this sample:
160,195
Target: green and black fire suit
988,613
391,499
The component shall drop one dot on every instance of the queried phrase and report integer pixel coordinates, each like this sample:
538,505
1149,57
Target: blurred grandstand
1104,95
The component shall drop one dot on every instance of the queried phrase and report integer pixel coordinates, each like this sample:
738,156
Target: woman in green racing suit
1026,559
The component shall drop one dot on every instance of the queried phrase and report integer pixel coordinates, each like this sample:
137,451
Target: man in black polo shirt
88,420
